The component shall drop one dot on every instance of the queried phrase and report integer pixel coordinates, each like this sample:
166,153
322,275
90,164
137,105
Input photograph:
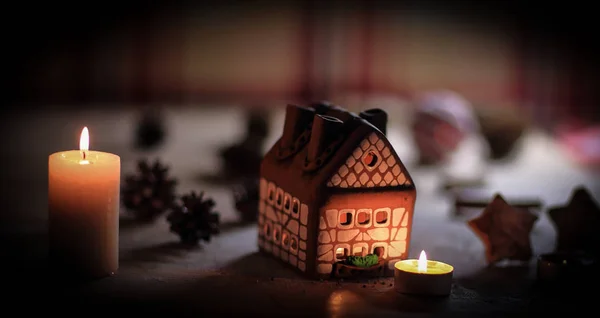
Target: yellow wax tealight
423,277
83,207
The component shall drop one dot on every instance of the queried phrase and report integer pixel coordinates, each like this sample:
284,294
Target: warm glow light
422,265
84,145
84,141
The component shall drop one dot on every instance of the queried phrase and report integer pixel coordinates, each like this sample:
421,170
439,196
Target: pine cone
193,219
150,192
246,198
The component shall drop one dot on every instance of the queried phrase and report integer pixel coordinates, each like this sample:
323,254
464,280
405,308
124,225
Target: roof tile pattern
371,164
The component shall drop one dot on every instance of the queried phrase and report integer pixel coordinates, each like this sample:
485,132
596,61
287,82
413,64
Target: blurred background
525,77
536,60
501,54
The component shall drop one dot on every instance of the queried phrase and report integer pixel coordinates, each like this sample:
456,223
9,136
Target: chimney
324,130
377,117
321,107
296,120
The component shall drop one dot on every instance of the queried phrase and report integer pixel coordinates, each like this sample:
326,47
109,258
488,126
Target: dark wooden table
227,276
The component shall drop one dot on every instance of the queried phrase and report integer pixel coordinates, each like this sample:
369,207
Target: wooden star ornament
577,224
504,231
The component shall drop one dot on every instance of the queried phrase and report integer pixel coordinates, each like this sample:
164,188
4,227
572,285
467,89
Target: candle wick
83,154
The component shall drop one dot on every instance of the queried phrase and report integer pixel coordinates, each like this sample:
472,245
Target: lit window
295,207
287,202
293,244
359,251
279,198
345,218
271,195
341,253
285,240
381,216
379,251
370,159
363,217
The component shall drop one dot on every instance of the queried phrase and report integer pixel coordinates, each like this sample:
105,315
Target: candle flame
84,141
422,265
84,144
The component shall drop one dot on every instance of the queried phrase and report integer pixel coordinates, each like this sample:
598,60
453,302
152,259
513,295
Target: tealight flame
422,264
84,145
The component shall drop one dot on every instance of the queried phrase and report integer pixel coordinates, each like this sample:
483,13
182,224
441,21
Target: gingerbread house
333,186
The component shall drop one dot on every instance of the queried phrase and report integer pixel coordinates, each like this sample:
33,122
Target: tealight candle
423,277
83,207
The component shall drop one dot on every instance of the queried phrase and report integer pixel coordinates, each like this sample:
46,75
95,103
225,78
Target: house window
279,198
287,202
359,251
295,207
345,218
341,253
271,195
363,217
285,240
370,159
379,251
267,230
381,216
293,244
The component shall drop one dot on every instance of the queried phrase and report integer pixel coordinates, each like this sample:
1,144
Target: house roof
316,141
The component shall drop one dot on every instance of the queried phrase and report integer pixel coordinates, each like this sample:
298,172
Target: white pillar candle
83,206
423,277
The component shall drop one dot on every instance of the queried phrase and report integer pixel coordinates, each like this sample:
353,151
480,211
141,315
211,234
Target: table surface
228,276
